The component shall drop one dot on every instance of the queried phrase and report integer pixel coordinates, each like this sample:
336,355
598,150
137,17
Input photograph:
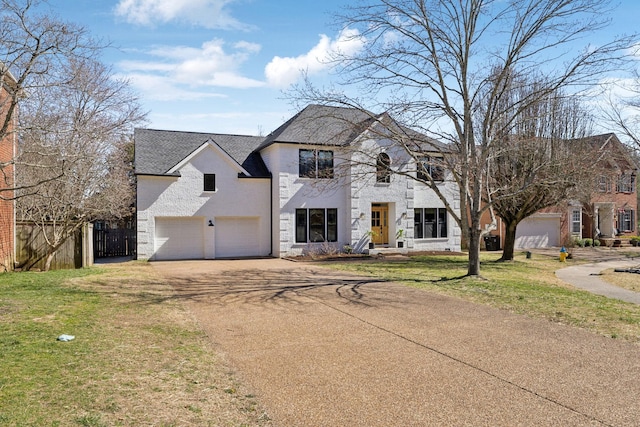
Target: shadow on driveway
325,348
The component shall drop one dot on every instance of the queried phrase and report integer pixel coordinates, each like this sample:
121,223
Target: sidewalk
586,276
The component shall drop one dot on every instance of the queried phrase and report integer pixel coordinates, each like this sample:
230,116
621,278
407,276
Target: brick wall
6,207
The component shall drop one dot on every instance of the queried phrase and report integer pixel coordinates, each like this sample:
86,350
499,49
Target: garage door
238,237
538,232
179,238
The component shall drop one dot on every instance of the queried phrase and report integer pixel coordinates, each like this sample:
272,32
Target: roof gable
209,144
158,152
611,152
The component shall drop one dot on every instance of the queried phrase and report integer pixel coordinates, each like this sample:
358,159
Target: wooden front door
380,224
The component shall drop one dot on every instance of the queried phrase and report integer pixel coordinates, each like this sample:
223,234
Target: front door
380,223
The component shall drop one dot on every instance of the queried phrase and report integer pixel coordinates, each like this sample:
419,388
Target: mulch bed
367,257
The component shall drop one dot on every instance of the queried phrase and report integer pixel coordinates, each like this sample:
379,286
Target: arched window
383,168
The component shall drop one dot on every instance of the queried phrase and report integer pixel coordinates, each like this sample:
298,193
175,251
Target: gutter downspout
271,213
13,183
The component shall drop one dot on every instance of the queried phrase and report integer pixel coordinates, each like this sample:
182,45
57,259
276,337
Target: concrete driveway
322,348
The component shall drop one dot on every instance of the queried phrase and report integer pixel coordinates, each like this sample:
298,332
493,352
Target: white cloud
282,72
204,13
207,66
162,88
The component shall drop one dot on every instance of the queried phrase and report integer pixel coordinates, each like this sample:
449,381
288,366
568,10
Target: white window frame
576,224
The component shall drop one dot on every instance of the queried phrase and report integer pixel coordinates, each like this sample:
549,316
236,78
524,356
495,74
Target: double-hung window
576,221
626,220
316,225
604,184
626,183
429,223
315,163
431,166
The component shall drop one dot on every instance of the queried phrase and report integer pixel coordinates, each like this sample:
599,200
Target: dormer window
383,168
315,164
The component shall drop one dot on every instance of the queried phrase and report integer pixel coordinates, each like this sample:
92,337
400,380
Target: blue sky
222,65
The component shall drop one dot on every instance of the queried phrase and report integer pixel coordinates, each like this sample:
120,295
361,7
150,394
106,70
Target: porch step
615,243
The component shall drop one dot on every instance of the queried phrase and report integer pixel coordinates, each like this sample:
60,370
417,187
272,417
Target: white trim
210,143
13,183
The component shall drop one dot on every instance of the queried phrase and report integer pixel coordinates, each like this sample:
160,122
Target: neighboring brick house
608,211
613,207
8,148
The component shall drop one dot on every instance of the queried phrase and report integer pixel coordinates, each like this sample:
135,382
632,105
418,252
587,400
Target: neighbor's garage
179,238
538,232
238,237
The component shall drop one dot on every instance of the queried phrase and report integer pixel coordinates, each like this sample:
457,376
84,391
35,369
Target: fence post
87,245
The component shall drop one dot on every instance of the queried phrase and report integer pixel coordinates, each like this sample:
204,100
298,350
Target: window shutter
620,222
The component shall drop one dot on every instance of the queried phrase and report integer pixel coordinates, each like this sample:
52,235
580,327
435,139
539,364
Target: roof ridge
197,133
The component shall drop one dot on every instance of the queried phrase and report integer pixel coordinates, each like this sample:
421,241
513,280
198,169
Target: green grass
138,357
524,286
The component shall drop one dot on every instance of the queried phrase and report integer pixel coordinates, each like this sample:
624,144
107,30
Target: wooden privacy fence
31,248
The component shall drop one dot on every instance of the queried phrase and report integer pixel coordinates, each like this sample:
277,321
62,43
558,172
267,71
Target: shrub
579,243
588,242
596,243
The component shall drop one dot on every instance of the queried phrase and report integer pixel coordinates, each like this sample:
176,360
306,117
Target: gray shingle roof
157,151
339,126
323,125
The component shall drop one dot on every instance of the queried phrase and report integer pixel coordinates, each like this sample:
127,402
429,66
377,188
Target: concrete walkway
586,276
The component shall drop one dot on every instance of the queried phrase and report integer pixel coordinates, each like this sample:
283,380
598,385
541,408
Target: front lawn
138,357
525,286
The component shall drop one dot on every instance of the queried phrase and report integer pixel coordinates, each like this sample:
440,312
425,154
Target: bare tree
81,130
433,64
35,49
539,158
621,111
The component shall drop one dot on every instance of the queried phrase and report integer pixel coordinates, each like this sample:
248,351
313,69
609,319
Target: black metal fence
114,242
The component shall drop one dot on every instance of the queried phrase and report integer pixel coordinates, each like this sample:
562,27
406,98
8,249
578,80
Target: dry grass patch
139,358
630,281
525,286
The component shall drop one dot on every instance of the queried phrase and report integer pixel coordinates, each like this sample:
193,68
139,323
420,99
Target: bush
588,242
579,243
596,243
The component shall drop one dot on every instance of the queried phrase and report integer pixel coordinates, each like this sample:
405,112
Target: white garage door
179,238
538,232
237,237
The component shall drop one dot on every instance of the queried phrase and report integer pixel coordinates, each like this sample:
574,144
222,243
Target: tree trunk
47,264
474,251
508,247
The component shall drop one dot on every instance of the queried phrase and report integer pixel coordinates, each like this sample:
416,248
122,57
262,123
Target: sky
224,66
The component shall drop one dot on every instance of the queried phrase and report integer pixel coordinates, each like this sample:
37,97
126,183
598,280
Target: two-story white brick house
326,177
